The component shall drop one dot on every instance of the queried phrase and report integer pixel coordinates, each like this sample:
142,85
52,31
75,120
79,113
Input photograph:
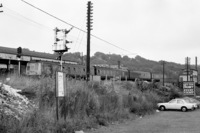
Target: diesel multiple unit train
46,68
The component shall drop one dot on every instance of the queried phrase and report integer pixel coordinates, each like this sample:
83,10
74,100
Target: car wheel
184,109
162,108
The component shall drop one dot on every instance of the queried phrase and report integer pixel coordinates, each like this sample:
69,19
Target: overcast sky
154,29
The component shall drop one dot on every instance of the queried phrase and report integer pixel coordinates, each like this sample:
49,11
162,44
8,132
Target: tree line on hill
172,70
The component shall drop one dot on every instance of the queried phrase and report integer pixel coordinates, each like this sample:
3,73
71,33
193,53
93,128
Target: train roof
108,68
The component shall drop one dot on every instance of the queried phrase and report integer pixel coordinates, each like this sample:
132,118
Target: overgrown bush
38,121
8,124
86,105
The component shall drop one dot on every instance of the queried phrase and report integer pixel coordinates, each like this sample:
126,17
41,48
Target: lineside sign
189,88
60,84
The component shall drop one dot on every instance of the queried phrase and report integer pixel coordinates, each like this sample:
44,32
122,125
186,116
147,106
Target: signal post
1,7
60,49
19,54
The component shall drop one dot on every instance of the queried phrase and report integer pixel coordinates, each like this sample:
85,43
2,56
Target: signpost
60,88
189,88
60,84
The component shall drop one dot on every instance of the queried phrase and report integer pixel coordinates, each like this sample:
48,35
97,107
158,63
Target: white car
177,104
192,100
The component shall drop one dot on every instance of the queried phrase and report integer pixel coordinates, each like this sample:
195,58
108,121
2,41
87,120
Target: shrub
128,85
86,105
46,93
142,106
22,82
38,121
7,123
98,88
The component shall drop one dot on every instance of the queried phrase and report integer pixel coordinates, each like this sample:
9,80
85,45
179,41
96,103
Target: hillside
172,70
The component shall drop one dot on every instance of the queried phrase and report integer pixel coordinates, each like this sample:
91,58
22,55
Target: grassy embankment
86,106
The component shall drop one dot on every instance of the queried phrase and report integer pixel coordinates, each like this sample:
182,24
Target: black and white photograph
99,66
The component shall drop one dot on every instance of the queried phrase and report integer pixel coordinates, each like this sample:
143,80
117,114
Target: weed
86,105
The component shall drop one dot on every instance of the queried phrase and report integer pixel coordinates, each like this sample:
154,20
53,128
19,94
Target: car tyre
193,108
184,109
162,108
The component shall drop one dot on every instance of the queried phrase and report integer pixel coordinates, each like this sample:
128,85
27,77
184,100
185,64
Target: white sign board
60,84
188,88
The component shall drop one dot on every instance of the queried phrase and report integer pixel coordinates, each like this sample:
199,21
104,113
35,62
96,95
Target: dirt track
161,122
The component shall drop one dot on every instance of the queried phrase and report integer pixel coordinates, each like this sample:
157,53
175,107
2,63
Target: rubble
12,103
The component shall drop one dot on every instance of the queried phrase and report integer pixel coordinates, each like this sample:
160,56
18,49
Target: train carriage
132,75
47,68
103,72
39,68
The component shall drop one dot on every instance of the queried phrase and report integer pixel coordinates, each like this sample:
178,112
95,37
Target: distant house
190,75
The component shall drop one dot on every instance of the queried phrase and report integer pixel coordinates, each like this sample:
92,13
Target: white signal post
60,76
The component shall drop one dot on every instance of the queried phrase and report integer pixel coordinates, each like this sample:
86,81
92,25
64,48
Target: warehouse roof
27,52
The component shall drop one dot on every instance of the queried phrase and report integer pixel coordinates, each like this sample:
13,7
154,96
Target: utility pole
0,7
187,63
196,63
163,73
196,60
82,58
89,28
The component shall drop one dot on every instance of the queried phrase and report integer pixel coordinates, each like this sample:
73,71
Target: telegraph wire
81,41
20,18
76,27
52,15
15,14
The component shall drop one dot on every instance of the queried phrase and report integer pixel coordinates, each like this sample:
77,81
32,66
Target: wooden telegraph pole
163,73
89,28
187,63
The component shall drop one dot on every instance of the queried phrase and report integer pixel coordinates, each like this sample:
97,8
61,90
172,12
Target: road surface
160,122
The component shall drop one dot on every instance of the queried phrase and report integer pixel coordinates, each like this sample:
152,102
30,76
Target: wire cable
76,27
15,14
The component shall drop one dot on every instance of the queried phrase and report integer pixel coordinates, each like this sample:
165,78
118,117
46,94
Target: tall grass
86,105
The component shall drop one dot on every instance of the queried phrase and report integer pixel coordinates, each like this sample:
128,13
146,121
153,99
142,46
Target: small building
190,75
9,61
